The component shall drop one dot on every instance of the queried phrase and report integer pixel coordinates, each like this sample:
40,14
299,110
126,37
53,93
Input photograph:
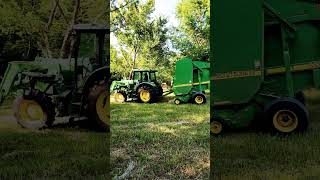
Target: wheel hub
30,111
103,106
285,121
199,99
145,95
119,97
216,127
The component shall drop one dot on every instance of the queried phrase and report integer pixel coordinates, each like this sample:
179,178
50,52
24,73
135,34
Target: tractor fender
100,75
151,85
194,93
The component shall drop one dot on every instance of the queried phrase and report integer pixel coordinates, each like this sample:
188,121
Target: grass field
251,155
160,141
59,153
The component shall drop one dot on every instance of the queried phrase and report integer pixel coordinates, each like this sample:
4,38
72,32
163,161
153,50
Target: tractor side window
153,77
136,76
145,76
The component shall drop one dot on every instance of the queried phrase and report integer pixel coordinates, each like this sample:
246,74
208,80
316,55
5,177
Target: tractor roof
144,70
91,28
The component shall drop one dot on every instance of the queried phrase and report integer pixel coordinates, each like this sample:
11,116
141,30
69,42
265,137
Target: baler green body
261,51
191,77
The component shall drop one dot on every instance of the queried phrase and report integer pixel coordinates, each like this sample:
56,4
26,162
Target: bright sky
165,8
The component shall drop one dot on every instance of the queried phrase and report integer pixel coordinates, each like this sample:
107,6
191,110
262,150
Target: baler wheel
177,101
120,97
99,108
34,111
199,99
287,115
216,127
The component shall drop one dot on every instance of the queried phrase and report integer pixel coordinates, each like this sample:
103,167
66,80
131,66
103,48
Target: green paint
191,77
261,50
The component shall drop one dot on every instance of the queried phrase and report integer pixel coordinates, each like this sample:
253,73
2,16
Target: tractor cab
90,38
144,76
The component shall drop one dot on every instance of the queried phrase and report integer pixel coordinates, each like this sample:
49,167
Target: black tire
38,98
300,97
286,115
124,97
99,121
145,89
199,99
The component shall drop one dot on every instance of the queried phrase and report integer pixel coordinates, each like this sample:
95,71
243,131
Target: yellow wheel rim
103,107
199,99
145,96
285,121
119,97
30,110
177,101
215,127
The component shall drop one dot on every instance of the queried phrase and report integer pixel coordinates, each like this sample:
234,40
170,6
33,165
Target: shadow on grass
255,155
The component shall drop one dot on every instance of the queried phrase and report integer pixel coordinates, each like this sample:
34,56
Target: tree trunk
66,45
134,60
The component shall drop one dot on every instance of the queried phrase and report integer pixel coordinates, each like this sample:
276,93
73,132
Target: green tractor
62,89
142,86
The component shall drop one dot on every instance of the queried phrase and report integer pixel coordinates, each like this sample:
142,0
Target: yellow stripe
236,74
295,68
269,71
190,84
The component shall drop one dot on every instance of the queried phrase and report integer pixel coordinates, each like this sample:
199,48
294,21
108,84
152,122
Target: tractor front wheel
120,97
287,116
99,108
34,111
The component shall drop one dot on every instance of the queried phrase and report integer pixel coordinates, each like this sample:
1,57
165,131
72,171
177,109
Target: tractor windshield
153,76
137,76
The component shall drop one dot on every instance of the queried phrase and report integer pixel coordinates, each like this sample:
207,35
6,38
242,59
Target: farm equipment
191,80
264,55
141,86
72,89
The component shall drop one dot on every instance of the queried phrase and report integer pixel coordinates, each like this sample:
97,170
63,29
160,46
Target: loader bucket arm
7,81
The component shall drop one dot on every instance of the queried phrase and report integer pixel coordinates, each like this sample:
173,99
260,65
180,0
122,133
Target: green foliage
142,38
26,28
191,38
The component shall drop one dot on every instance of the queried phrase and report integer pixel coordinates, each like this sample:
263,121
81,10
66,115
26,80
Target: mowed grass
60,153
160,141
252,155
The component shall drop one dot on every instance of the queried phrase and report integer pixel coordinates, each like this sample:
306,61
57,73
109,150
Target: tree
142,38
191,38
27,26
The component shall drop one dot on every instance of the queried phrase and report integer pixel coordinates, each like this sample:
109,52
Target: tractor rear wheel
99,107
286,116
34,111
145,94
199,99
120,97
